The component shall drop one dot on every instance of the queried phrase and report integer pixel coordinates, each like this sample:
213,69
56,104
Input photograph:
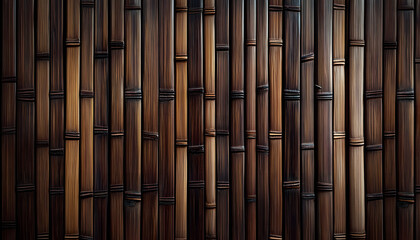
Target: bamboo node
196,184
357,141
181,142
86,194
324,186
57,151
116,188
373,147
357,43
307,146
42,143
181,9
237,149
132,196
71,135
166,95
324,96
71,236
405,94
339,61
56,190
390,193
222,47
101,54
308,195
417,60
117,134
275,8
293,184
196,90
275,42
251,198
361,235
406,197
275,237
5,224
262,88
87,3
221,132
8,80
211,132
56,94
339,135
339,6
389,135
8,130
308,57
275,135
262,148
251,134
181,57
222,185
116,44
25,95
417,189
132,7
250,42
42,56
100,194
237,94
150,135
340,236
374,196
72,42
166,200
86,94
25,187
83,237
133,94
196,149
210,205
292,8
210,96
373,94
390,45
209,11
291,94
195,10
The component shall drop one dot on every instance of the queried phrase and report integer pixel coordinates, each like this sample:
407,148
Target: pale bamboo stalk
181,132
356,179
210,116
8,120
307,121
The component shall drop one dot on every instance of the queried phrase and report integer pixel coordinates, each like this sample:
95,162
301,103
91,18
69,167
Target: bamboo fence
210,119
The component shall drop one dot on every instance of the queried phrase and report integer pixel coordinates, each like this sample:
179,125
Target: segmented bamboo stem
417,116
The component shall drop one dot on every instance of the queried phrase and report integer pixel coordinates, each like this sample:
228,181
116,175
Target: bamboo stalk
275,62
166,120
405,120
339,119
356,180
57,110
262,121
389,164
42,117
291,93
8,120
86,123
181,132
417,117
25,126
324,97
133,115
100,122
196,158
116,154
150,123
250,120
307,121
222,119
373,119
210,116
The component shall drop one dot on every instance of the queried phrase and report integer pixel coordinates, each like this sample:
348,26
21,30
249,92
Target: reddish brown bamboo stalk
116,151
100,124
250,120
86,123
262,121
181,132
356,179
373,119
275,62
210,116
132,118
390,77
25,120
166,120
8,120
339,119
42,117
405,120
417,117
307,121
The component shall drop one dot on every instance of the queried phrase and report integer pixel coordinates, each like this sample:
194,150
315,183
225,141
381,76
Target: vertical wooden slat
25,126
373,119
417,117
210,116
133,115
390,77
116,151
405,119
150,119
8,120
275,72
250,120
42,117
86,119
307,121
222,119
166,121
356,179
262,121
339,119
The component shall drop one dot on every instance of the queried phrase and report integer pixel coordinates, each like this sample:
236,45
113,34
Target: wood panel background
210,119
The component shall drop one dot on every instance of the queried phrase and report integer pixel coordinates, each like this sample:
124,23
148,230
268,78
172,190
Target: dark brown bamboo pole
57,111
166,120
291,97
275,62
373,118
237,148
150,119
25,126
222,119
210,116
262,121
417,117
133,116
86,119
339,119
250,121
405,120
181,115
8,120
101,122
307,121
72,134
116,150
42,117
324,97
390,77
356,179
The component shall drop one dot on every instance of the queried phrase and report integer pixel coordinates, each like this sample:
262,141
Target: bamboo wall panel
210,119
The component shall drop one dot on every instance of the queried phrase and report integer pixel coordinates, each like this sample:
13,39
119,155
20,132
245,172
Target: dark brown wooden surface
210,119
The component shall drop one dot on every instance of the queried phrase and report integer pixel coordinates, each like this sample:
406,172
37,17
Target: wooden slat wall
210,119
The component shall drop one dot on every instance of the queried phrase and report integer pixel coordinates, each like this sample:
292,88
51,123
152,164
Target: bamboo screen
210,119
